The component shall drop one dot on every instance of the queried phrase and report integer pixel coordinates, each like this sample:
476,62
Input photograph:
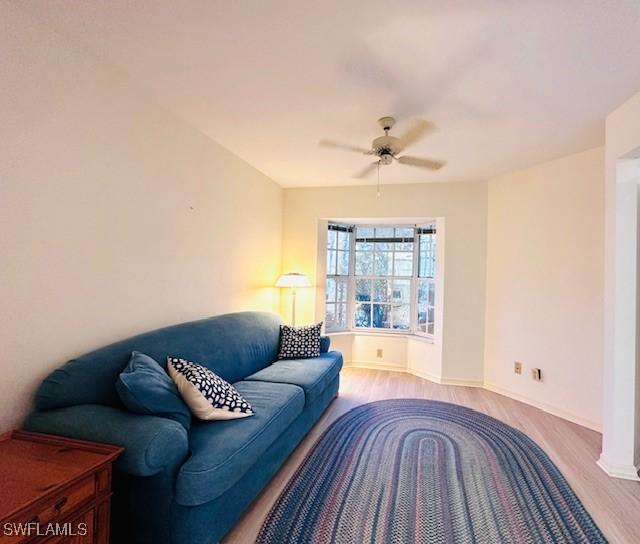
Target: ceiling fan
387,148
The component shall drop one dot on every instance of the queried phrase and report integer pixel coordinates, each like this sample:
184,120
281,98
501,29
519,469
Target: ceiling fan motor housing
385,144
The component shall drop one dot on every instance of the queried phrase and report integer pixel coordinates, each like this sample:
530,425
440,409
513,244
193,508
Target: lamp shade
293,279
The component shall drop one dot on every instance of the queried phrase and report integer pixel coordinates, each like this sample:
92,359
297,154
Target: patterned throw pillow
299,342
206,393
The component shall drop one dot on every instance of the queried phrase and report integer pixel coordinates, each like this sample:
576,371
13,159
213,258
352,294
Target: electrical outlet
536,374
379,353
517,367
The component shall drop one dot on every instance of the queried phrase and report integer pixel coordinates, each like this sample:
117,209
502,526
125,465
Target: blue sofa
176,486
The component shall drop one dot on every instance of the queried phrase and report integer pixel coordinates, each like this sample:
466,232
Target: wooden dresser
54,490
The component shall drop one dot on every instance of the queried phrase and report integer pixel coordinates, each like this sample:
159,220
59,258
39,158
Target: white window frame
429,280
413,285
341,277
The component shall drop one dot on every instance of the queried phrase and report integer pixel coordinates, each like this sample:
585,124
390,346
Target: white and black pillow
207,394
299,342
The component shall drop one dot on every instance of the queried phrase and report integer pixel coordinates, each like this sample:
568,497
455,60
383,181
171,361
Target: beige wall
544,285
462,206
114,216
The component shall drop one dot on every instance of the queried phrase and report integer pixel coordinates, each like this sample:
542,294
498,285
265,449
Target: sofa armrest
151,444
325,344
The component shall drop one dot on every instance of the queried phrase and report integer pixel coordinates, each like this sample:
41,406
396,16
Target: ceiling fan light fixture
386,158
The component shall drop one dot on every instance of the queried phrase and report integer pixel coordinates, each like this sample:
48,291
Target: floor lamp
293,280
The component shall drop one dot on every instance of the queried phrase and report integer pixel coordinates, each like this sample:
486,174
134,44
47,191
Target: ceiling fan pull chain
378,178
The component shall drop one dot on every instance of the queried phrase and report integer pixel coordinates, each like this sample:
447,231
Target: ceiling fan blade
421,163
346,147
366,171
418,131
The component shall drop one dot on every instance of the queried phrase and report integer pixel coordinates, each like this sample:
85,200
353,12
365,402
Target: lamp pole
293,280
293,306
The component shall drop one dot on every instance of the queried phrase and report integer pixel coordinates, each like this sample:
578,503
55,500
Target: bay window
381,277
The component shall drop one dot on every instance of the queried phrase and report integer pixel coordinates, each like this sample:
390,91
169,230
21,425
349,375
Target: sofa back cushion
144,387
232,345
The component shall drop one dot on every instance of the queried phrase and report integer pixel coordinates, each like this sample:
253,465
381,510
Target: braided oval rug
413,470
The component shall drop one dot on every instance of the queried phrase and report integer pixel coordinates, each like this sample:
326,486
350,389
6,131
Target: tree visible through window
381,277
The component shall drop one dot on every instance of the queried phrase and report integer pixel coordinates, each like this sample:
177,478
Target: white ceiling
509,83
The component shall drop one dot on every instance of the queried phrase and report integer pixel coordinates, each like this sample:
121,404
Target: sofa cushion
145,388
313,375
223,451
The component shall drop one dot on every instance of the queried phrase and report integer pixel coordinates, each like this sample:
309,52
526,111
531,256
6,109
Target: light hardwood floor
614,504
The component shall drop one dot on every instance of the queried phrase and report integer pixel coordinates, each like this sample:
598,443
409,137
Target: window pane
341,316
430,320
384,264
364,232
432,293
422,319
364,246
404,246
381,316
400,316
363,290
331,239
330,290
404,233
381,290
427,256
330,317
403,264
364,263
401,291
384,232
341,290
363,315
423,289
422,264
336,316
343,241
331,262
343,263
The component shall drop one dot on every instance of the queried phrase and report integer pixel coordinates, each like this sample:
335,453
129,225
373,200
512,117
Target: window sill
383,334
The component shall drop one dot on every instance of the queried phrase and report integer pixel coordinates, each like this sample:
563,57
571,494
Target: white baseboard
444,380
463,383
424,375
393,367
545,407
626,472
372,365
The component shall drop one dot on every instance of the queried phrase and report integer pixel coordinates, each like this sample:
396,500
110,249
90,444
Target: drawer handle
60,504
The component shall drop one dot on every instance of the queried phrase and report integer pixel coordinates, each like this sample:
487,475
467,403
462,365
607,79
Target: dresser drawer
36,521
54,489
65,502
